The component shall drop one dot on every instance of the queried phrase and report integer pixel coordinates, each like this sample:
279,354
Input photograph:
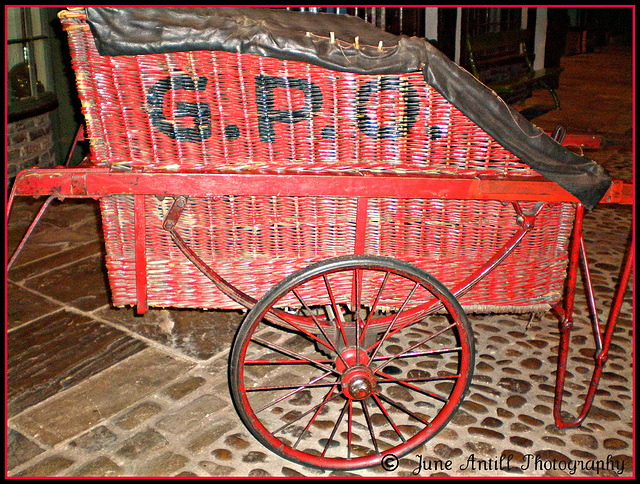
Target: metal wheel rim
246,337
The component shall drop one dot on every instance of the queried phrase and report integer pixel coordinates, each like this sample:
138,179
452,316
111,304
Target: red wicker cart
355,191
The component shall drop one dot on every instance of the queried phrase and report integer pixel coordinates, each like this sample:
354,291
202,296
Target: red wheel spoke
350,425
437,351
357,283
370,426
290,387
293,354
414,315
357,323
401,407
335,428
336,311
420,380
284,362
386,414
419,343
413,387
356,297
316,409
297,388
386,333
374,306
282,316
317,323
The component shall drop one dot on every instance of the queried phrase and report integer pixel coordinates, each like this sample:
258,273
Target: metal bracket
526,218
171,220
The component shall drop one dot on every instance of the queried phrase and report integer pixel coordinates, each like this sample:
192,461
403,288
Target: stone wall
29,144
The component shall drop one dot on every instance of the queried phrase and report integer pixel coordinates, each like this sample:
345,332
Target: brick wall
29,144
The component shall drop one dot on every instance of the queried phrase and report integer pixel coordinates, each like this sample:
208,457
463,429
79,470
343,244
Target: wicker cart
355,191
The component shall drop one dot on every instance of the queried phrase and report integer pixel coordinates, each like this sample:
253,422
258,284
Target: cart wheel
350,360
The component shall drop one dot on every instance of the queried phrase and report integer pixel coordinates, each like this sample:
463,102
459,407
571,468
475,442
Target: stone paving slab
87,292
195,334
67,225
83,406
20,299
58,351
20,449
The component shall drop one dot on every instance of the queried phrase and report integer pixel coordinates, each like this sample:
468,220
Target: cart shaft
601,342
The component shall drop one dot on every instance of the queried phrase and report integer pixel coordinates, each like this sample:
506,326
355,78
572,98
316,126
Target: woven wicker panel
195,110
451,238
468,233
254,242
251,241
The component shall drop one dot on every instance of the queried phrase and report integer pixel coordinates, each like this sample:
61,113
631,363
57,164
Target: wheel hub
358,381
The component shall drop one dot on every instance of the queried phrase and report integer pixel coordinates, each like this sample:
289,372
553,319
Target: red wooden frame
99,181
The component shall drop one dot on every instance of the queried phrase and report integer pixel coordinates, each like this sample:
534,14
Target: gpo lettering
200,112
267,112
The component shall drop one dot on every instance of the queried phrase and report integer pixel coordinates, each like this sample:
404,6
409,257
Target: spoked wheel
349,360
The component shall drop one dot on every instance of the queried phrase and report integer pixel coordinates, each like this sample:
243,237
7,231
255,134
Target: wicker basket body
203,110
256,241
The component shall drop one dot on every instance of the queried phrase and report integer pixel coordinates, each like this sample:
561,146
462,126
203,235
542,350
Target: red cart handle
602,344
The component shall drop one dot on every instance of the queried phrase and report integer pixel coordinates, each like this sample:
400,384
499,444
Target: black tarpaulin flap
329,41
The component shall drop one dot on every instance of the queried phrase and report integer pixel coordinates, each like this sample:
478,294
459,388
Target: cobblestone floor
97,391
